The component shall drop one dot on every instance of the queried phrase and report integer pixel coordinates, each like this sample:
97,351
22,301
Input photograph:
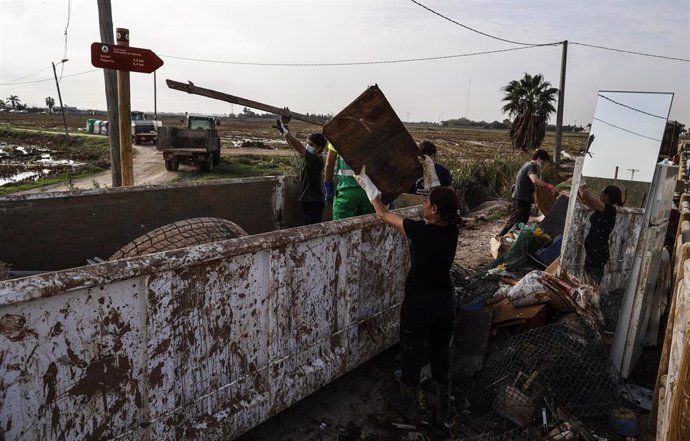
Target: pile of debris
528,361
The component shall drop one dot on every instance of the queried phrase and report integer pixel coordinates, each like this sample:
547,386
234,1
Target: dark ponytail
447,203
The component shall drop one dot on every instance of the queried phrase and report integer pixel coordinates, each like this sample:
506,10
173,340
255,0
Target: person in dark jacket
311,191
602,222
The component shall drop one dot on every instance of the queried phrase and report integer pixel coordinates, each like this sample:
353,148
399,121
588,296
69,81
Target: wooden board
368,132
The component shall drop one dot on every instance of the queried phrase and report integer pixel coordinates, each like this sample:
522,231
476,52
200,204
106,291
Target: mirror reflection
619,163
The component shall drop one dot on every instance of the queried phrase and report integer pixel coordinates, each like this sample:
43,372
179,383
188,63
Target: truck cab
143,129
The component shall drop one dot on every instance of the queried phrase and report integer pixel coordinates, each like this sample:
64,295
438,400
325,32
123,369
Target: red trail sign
118,57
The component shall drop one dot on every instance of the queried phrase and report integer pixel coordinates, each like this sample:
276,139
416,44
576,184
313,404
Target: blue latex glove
329,187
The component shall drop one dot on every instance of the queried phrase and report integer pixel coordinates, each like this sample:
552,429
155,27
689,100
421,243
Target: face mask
310,149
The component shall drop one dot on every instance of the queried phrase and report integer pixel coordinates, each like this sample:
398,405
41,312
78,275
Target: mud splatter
13,327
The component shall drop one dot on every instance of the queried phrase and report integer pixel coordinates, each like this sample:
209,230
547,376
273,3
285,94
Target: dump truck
202,342
143,129
196,144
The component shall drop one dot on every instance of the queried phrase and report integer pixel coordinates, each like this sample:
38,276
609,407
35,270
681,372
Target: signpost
119,57
124,59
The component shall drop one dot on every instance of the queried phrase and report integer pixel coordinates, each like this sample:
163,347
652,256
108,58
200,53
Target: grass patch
247,166
499,214
475,180
91,149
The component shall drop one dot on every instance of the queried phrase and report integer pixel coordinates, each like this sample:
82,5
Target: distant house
69,110
587,128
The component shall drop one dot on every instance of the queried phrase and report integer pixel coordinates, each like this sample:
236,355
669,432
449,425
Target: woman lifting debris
427,310
601,222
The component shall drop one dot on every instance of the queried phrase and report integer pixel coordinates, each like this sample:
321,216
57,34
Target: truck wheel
216,157
137,141
172,165
180,234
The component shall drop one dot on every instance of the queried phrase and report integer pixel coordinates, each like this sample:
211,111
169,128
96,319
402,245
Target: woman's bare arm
392,219
589,200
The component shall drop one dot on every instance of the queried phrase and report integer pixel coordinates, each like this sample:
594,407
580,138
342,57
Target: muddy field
34,155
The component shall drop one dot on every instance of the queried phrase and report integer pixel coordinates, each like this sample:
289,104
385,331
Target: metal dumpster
197,343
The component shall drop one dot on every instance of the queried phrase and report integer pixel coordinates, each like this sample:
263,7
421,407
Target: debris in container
624,422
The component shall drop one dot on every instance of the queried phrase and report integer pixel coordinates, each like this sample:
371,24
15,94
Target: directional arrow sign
132,59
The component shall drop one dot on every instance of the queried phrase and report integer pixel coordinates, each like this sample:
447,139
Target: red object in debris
120,57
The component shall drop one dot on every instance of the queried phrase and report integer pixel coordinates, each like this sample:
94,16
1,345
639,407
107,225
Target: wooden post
105,20
124,109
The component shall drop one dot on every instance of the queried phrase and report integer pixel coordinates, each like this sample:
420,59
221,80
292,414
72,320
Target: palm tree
529,103
14,100
50,102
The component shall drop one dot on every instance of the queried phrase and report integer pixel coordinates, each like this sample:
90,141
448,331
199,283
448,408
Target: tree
529,102
50,102
14,100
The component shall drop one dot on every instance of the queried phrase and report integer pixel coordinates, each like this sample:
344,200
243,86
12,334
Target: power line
687,60
480,32
29,75
632,108
353,63
644,54
48,79
64,52
625,130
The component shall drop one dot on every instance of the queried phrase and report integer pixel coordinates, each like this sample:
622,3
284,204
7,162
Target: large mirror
605,219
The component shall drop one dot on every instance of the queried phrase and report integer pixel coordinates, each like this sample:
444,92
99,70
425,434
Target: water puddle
26,163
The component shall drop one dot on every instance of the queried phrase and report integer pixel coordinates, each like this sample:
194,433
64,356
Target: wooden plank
210,93
368,132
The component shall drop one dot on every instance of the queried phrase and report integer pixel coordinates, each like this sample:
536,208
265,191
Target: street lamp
64,119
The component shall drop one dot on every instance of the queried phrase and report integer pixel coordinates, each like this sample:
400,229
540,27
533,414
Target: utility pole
559,115
155,101
57,83
105,20
632,173
124,109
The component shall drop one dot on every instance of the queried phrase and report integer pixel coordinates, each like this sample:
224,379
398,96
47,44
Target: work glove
281,126
365,182
430,177
329,189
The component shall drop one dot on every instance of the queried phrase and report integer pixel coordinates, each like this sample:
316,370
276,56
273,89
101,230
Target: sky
32,35
627,129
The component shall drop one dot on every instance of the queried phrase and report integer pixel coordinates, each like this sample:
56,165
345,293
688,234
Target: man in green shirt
348,199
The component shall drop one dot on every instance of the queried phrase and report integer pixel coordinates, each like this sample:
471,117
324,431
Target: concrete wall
55,231
200,343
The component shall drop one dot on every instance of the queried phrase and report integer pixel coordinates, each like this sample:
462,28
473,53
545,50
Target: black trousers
313,212
519,213
425,321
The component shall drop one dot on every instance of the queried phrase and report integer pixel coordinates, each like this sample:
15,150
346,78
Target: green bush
474,180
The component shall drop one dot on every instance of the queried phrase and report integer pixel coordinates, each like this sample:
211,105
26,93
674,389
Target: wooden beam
209,93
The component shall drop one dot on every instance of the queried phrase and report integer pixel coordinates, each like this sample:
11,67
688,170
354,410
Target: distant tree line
505,124
248,113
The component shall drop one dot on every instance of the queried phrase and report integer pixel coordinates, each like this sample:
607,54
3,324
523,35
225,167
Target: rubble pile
544,363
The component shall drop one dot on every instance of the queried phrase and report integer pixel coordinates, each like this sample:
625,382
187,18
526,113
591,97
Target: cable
625,130
354,63
64,52
480,32
687,60
632,108
48,79
30,75
550,44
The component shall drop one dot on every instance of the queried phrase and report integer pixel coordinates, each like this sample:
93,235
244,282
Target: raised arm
589,200
393,219
291,140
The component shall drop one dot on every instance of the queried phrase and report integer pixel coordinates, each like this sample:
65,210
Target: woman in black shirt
601,222
427,311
